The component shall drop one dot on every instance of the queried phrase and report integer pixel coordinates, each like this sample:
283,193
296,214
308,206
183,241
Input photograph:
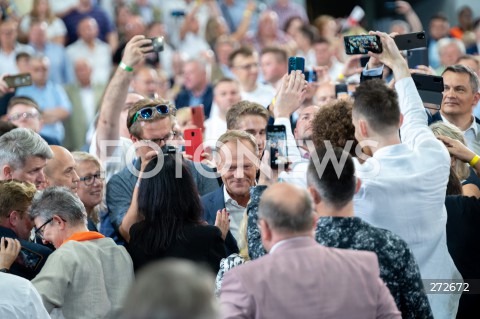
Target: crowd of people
104,213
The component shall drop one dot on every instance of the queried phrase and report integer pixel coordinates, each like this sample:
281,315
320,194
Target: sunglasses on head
147,112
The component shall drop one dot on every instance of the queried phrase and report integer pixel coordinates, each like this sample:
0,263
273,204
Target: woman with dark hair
170,219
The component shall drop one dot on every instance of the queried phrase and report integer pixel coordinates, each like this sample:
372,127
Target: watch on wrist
5,270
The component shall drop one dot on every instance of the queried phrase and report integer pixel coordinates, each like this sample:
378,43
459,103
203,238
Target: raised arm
116,93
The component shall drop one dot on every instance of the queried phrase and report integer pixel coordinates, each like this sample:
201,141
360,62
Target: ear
453,161
358,184
363,128
315,195
265,231
13,218
57,220
476,98
133,138
401,120
7,172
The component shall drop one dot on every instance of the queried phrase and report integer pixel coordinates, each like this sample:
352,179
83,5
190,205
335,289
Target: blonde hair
441,128
242,237
15,195
234,136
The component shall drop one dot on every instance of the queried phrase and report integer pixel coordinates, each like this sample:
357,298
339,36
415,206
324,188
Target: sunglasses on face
147,112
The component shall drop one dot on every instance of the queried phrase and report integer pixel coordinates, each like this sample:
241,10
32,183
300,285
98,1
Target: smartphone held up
277,142
362,44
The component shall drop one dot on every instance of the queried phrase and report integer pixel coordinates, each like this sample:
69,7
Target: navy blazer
183,99
473,49
212,202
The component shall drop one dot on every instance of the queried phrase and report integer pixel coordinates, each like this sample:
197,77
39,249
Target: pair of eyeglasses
90,179
160,140
147,112
39,230
24,115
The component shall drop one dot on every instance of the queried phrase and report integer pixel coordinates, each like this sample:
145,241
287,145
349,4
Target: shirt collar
228,198
472,126
282,242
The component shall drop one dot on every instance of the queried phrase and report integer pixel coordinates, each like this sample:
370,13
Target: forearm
57,114
112,105
131,217
112,39
414,21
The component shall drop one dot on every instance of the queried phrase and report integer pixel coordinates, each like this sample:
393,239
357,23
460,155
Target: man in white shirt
89,47
9,47
225,94
244,65
325,56
459,98
404,182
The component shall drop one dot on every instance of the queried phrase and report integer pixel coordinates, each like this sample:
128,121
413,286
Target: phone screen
277,141
361,44
29,259
14,81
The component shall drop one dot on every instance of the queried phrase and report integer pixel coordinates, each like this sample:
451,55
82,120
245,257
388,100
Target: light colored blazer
302,279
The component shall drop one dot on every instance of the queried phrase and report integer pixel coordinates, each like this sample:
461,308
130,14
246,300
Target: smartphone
157,44
177,13
341,90
277,142
430,87
361,44
198,116
15,81
29,259
296,63
193,143
417,57
411,41
311,76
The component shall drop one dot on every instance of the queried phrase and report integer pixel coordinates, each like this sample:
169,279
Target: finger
299,82
2,243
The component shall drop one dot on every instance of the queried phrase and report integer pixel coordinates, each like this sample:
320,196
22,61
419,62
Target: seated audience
169,223
85,266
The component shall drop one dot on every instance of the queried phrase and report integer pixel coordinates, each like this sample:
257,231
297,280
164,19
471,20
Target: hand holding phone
18,80
296,63
194,143
157,44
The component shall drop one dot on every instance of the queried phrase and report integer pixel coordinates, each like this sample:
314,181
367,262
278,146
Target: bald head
287,209
60,169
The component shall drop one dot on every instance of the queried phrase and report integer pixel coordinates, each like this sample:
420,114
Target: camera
421,35
157,44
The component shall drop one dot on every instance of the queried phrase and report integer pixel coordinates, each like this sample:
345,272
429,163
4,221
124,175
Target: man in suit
238,154
85,97
197,89
300,278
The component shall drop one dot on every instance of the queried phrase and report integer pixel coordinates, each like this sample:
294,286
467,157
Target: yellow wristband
125,67
474,161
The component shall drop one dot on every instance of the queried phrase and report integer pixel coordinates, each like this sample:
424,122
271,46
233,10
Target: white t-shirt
263,95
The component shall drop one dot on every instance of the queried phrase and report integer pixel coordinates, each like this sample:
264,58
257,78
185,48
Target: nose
238,173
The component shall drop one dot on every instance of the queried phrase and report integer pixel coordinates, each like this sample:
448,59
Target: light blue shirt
49,97
61,68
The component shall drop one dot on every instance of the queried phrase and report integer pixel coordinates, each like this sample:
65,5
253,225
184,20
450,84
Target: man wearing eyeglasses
244,65
24,112
88,275
15,199
150,125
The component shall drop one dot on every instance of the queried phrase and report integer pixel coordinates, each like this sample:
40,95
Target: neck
7,47
278,237
462,121
199,90
222,115
75,229
383,141
84,84
249,87
90,43
329,211
242,200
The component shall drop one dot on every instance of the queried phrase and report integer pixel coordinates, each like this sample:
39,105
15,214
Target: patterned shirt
398,267
226,264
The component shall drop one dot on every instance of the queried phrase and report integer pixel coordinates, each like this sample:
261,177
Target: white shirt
403,190
193,45
235,212
471,135
262,95
88,103
99,58
8,63
19,299
214,128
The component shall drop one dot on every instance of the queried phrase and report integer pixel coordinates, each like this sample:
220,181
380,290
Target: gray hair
444,42
172,289
19,144
60,201
289,219
458,68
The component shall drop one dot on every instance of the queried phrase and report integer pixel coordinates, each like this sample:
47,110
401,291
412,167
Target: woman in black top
170,225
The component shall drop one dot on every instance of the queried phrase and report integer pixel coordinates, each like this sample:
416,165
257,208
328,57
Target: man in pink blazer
300,278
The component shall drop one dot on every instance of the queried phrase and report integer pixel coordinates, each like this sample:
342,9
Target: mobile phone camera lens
421,35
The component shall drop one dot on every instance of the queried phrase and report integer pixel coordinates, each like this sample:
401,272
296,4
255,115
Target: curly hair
333,123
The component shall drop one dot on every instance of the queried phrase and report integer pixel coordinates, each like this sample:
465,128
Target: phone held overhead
362,44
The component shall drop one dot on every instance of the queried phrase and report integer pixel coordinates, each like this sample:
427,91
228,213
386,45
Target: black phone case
411,41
